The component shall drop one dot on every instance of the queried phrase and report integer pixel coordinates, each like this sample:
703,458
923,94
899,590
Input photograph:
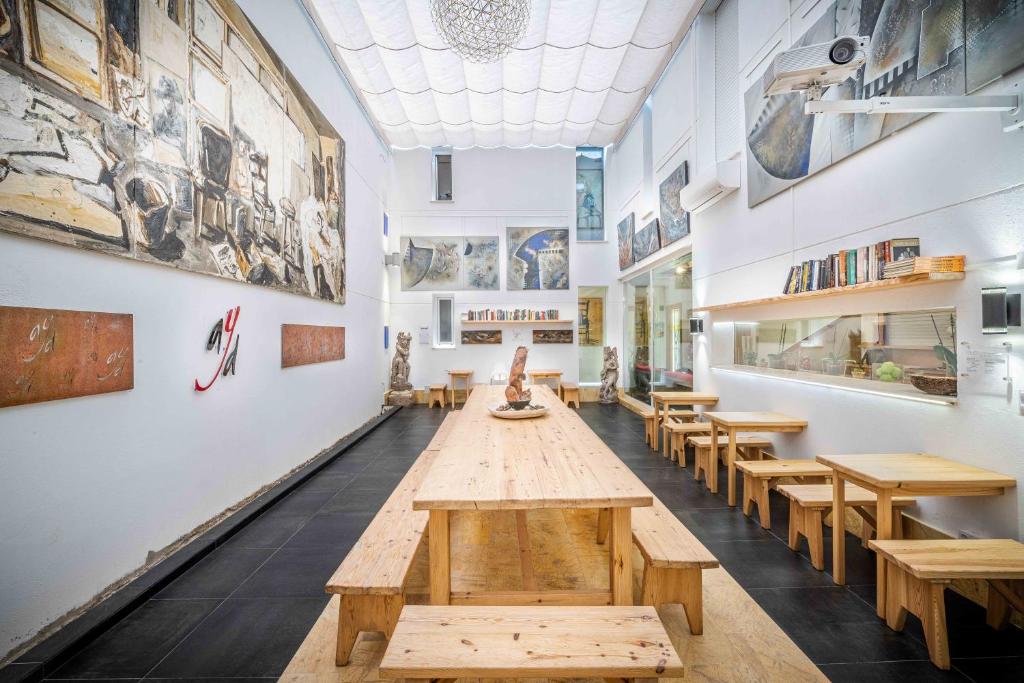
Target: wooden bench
571,394
914,573
676,417
679,432
443,643
673,560
749,447
808,503
371,579
437,392
759,475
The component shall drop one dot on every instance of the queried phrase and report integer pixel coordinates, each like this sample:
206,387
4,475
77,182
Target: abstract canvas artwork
591,322
48,354
538,258
646,241
675,221
168,132
625,230
917,47
447,263
552,336
481,336
308,344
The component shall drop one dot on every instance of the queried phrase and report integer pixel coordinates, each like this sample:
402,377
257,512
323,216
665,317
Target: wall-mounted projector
814,67
709,187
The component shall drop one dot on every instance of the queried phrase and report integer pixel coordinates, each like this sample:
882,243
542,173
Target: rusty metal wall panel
305,344
49,354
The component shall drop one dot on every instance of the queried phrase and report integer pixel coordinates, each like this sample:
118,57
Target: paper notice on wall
424,335
985,369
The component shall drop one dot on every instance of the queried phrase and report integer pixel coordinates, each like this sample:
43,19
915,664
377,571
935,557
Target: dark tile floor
243,611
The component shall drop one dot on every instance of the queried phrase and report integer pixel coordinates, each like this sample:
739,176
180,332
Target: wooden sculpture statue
400,393
514,391
610,376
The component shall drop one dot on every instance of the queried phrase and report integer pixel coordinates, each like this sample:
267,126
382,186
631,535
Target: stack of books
920,265
512,314
851,266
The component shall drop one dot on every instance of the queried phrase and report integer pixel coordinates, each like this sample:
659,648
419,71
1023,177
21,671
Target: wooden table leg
839,531
711,473
440,557
883,532
657,425
731,467
620,557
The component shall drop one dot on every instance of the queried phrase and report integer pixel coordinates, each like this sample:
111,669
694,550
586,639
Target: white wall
494,189
956,181
92,484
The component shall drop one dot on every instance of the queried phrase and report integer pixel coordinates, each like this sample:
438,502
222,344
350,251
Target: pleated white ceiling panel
577,78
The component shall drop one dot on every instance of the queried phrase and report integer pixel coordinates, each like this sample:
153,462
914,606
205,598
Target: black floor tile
812,604
271,530
992,669
218,574
721,524
303,501
354,499
244,637
293,572
883,672
138,642
331,530
864,641
766,564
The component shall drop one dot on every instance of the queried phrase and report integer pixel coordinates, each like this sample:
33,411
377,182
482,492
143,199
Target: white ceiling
578,77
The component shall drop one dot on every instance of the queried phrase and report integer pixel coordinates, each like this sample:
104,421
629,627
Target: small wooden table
734,422
664,400
539,377
904,474
467,378
553,461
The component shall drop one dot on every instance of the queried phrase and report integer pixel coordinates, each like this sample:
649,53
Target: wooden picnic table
553,461
732,423
664,400
540,377
902,474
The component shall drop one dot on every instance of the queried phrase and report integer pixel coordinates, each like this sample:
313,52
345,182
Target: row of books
924,264
512,314
851,266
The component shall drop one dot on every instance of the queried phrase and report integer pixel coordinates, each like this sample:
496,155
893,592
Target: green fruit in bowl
888,372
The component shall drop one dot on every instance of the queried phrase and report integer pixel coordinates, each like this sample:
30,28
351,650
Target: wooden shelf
516,322
877,285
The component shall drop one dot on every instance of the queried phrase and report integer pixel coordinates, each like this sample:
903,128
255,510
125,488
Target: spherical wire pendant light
481,31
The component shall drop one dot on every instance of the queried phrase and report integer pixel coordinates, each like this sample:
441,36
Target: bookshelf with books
523,316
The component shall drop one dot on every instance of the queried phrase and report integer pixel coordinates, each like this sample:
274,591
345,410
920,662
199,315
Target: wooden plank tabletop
913,470
543,373
976,558
755,420
554,461
695,398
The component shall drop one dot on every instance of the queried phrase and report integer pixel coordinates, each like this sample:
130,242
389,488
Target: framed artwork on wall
675,221
447,263
625,232
646,241
538,258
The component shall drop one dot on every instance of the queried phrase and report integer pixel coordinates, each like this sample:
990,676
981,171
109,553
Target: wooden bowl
512,414
936,385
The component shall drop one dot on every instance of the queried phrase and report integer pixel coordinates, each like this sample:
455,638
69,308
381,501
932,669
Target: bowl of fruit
888,372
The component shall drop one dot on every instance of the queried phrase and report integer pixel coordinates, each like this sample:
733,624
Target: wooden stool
466,376
808,503
437,392
758,476
747,447
571,394
673,417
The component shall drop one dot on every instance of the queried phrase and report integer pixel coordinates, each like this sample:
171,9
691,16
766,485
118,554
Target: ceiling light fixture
481,31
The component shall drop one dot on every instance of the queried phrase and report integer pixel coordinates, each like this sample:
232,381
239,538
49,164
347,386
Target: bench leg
603,519
369,613
662,586
620,557
748,494
348,630
1003,598
905,593
813,524
763,509
439,543
796,514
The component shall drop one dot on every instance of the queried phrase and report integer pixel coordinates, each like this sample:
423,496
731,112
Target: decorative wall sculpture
646,241
916,48
481,336
216,341
675,221
591,322
625,230
307,344
610,376
48,354
447,263
538,258
552,336
166,131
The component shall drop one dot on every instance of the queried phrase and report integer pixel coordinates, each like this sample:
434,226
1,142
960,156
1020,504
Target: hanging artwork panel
168,132
625,230
449,263
675,221
646,241
538,258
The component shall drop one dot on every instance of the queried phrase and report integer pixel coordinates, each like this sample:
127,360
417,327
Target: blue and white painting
480,262
538,258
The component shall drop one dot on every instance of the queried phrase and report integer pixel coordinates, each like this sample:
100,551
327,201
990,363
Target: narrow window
589,194
444,321
442,161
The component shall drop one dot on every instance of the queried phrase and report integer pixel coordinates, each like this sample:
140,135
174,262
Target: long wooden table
554,461
733,423
903,474
664,400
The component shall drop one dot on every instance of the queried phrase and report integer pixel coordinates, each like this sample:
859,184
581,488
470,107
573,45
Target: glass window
590,333
444,320
442,162
909,352
589,194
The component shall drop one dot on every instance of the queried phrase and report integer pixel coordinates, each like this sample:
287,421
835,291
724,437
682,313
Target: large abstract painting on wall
168,132
625,230
446,263
538,258
917,47
675,220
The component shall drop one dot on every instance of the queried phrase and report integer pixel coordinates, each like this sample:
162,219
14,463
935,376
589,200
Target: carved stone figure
514,391
610,376
401,390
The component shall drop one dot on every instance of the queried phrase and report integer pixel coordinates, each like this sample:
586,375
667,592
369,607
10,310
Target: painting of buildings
538,258
675,221
916,48
168,132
